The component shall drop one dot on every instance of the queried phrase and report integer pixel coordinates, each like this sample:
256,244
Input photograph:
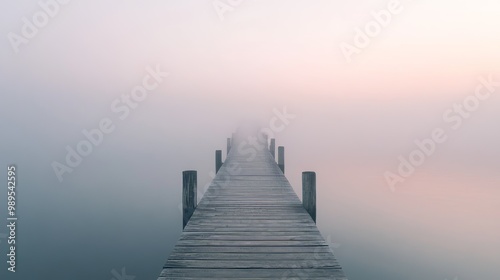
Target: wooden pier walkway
250,224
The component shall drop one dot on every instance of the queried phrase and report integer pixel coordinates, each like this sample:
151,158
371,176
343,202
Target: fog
119,205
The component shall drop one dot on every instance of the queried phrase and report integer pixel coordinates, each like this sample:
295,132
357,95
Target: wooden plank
250,224
270,273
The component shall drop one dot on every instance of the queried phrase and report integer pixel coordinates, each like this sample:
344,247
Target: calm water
119,208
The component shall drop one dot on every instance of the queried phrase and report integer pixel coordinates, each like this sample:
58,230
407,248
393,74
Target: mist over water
119,207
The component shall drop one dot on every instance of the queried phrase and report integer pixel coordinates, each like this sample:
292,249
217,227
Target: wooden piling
218,160
309,193
272,147
255,229
189,199
281,158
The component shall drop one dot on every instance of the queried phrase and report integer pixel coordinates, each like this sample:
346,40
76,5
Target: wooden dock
250,224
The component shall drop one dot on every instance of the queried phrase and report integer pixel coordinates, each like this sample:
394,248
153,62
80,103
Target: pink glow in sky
353,120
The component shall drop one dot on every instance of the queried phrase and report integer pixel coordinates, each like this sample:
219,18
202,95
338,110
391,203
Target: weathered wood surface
281,158
189,198
218,160
272,147
250,224
309,193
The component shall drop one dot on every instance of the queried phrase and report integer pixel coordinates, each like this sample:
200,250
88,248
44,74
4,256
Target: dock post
272,147
218,160
309,193
228,146
189,200
281,158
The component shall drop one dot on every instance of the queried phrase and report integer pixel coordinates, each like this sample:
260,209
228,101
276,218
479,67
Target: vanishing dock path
250,224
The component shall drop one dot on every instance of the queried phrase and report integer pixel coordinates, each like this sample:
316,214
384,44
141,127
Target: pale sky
353,120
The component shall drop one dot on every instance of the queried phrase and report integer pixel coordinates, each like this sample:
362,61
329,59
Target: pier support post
189,200
281,158
272,147
228,146
218,160
309,193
